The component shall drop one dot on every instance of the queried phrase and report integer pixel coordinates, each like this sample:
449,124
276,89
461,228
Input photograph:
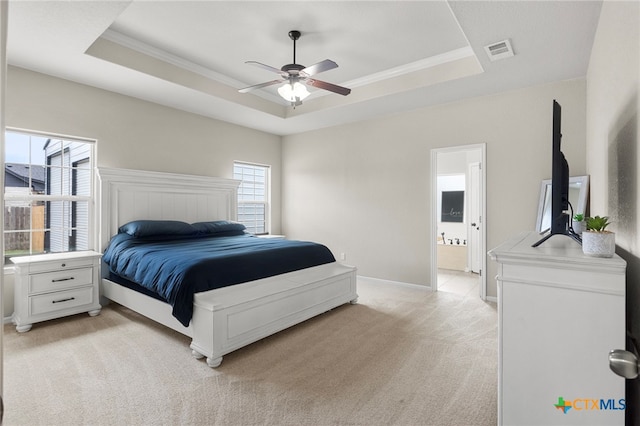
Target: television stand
560,312
551,234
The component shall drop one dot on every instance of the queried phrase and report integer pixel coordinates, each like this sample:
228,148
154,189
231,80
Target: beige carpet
402,356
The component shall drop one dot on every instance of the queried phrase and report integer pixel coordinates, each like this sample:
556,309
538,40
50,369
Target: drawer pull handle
63,300
62,279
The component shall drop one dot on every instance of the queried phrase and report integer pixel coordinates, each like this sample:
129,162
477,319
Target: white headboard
126,195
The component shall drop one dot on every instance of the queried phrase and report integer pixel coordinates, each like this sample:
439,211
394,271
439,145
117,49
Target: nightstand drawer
59,265
56,280
51,302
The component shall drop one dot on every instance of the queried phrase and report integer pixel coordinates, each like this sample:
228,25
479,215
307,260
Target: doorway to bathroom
458,243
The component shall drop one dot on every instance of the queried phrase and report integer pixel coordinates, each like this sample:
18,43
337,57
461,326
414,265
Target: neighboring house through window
48,193
253,196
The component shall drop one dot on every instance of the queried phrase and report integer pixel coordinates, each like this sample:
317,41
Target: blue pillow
151,228
222,227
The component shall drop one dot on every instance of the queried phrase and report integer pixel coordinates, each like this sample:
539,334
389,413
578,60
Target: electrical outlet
343,256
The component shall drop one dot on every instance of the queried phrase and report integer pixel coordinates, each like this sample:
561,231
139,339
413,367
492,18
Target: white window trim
267,202
92,200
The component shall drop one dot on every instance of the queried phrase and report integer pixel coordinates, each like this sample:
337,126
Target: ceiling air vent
499,50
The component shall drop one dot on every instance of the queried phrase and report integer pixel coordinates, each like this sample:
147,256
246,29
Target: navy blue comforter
175,269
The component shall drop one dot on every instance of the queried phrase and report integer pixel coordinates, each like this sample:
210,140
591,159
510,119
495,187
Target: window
253,196
48,191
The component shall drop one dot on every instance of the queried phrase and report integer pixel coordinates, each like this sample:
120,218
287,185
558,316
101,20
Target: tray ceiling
394,55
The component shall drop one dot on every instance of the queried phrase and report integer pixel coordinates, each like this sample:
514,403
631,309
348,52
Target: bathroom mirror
578,197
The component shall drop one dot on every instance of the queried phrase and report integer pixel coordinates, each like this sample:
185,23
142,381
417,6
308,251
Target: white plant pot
578,227
599,244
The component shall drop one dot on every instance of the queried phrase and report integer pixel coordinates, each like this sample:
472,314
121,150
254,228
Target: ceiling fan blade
267,67
259,86
314,69
328,86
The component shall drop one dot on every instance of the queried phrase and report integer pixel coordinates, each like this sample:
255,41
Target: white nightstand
49,286
272,236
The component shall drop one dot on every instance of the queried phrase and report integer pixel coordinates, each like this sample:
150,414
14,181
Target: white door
475,217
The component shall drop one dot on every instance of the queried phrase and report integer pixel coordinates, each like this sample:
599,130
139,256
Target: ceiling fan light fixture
293,92
294,75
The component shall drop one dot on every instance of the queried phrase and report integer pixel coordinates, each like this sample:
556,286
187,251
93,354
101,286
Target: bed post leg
214,362
211,362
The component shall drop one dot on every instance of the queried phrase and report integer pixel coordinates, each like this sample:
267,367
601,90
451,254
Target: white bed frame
228,318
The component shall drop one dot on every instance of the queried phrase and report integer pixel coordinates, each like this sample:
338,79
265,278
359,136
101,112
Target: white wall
364,189
135,134
613,129
612,120
3,79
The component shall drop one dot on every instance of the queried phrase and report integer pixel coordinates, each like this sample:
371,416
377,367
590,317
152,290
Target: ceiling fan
295,76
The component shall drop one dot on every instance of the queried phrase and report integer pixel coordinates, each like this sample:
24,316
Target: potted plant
578,223
596,240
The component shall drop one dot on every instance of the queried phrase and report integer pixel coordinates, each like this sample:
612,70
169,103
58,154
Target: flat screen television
560,218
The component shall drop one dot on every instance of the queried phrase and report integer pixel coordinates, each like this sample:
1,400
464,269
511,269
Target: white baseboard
492,299
395,282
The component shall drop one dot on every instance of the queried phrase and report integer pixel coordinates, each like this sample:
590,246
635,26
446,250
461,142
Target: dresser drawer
61,300
56,280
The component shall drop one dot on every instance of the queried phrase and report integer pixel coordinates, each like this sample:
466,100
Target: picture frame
452,206
578,197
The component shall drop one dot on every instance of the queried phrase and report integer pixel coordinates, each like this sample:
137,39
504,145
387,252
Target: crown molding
177,61
421,64
162,55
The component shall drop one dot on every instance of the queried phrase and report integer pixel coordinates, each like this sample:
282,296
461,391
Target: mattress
176,266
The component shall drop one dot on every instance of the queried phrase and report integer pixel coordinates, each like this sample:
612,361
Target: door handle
623,363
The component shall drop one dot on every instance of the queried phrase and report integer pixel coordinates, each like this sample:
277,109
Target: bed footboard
229,318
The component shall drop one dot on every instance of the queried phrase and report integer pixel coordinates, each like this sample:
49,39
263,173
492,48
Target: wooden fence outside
24,217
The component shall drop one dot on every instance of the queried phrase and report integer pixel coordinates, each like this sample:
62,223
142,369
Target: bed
226,318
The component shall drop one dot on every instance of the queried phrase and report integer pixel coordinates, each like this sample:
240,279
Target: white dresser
54,285
560,313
